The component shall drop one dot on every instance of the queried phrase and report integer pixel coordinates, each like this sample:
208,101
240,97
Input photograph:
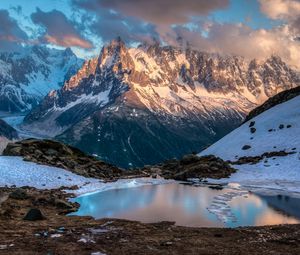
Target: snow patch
16,172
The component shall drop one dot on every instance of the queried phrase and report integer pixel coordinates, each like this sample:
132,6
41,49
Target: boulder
63,204
34,215
18,194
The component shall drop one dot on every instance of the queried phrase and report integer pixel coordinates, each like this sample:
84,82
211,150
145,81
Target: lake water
190,206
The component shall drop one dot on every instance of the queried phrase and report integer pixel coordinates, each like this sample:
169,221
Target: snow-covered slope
275,131
27,76
136,106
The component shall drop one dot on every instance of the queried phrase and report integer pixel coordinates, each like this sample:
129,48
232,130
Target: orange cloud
59,30
68,41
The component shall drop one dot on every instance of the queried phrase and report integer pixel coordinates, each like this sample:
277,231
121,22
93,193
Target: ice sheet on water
221,208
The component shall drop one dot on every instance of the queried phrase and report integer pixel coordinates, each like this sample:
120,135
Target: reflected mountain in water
187,206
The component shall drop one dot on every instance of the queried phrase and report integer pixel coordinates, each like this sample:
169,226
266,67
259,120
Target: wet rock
34,215
216,187
63,204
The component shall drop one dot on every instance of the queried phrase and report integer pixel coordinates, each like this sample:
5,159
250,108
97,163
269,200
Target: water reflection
186,205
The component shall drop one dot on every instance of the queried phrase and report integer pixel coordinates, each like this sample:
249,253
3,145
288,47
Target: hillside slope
265,149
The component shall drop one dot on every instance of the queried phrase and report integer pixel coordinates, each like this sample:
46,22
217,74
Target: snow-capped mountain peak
27,76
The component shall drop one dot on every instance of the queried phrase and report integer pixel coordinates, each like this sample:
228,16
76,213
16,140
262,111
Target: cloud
280,9
285,10
166,21
59,30
158,12
11,35
110,25
241,40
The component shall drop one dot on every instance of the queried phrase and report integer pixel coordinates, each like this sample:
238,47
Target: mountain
266,148
136,106
7,131
26,77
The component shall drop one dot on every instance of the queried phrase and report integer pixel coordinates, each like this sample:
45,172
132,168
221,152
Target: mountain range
137,106
27,76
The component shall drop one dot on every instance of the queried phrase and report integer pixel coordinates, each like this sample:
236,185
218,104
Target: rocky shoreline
35,221
57,233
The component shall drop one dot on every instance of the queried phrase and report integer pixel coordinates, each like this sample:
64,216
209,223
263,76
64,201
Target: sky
249,28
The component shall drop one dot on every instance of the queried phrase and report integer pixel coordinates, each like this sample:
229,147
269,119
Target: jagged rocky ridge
273,101
136,106
26,77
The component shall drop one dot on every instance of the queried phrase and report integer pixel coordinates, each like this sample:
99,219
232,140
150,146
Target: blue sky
245,11
85,25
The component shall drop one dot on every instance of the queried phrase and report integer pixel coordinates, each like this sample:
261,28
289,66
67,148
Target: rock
273,101
187,159
19,194
281,126
252,123
56,154
193,166
34,215
246,147
256,159
63,204
252,130
218,235
288,126
216,187
14,150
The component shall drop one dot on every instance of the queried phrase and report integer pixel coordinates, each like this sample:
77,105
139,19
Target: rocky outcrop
273,101
192,166
256,159
56,154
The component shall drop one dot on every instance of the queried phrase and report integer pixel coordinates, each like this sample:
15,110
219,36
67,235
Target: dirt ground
60,234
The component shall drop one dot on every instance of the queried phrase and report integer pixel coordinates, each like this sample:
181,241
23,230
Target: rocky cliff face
27,77
136,106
